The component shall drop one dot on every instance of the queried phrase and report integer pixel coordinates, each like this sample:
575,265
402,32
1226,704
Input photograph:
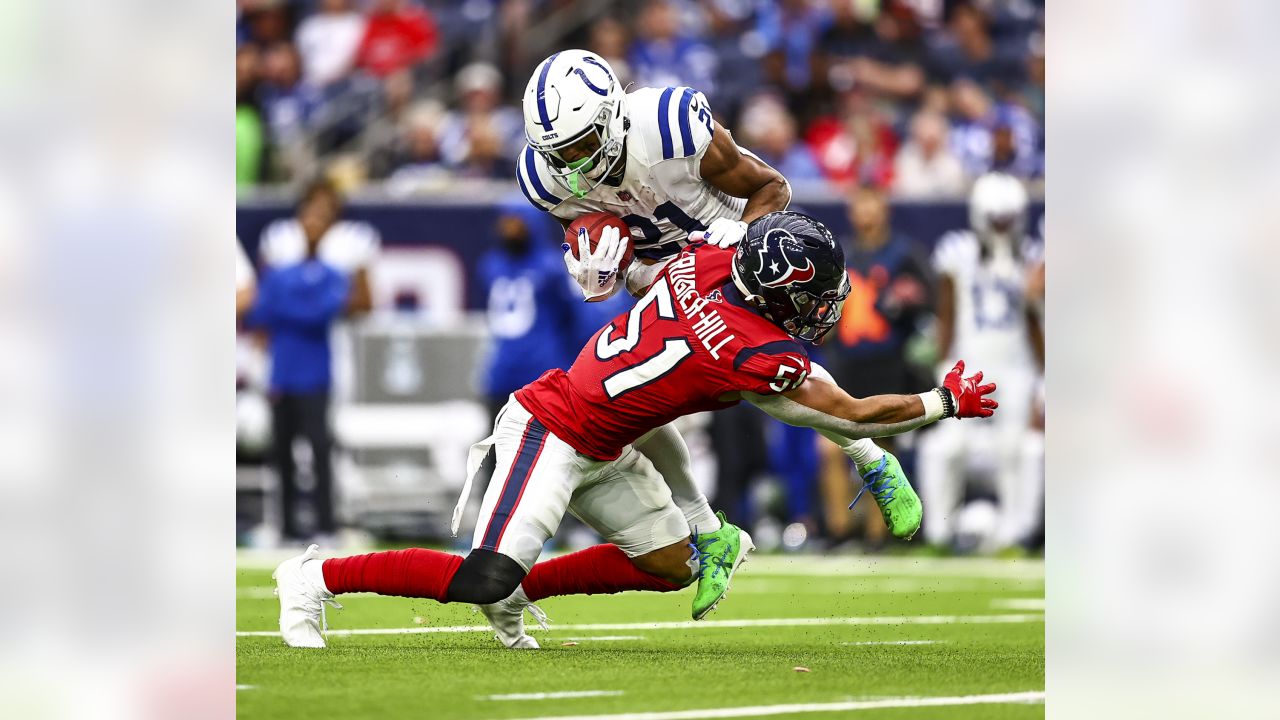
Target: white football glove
723,233
597,272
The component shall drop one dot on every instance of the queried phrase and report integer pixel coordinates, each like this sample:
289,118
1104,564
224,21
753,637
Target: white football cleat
302,621
507,618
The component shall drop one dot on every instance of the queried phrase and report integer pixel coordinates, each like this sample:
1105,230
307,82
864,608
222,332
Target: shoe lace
324,620
879,483
702,551
539,615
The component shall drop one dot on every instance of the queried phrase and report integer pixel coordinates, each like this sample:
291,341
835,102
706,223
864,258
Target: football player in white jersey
983,312
658,159
654,156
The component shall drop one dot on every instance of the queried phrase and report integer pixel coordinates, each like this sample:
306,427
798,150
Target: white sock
864,451
313,571
699,515
860,451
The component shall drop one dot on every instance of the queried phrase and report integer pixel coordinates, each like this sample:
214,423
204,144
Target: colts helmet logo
776,267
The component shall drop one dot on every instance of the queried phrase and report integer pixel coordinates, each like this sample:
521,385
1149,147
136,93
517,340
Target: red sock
415,573
594,571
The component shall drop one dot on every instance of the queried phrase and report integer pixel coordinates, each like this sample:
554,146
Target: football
594,223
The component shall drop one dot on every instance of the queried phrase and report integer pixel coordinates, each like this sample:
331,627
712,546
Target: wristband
948,402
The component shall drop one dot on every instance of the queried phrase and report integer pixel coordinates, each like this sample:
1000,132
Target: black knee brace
485,577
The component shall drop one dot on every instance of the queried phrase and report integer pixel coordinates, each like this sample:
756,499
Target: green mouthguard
579,167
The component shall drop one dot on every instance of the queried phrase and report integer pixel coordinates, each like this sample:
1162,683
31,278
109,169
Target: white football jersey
990,302
662,197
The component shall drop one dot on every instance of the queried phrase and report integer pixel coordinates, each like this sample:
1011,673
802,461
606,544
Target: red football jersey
689,342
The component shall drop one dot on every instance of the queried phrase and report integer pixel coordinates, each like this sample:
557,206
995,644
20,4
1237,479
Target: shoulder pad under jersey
536,182
671,123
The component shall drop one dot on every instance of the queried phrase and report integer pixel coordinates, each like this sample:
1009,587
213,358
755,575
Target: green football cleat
898,502
718,555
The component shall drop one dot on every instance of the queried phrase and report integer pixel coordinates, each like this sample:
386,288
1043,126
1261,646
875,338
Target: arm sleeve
793,413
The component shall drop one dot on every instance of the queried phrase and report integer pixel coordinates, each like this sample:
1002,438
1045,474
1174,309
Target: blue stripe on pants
535,436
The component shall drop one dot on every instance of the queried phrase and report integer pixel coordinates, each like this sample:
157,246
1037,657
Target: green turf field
890,638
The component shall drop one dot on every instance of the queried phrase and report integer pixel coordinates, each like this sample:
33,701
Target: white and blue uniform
990,334
662,197
990,302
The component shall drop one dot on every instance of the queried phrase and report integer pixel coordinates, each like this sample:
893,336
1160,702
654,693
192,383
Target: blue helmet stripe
543,119
686,133
592,61
531,170
664,123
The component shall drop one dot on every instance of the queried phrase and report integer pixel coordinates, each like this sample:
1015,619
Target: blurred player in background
530,304
715,327
308,262
984,312
867,352
318,231
1033,450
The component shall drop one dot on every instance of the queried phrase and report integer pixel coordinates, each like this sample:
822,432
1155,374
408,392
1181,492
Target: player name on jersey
708,326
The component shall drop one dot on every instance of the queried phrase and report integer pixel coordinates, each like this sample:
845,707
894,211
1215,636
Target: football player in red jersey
716,326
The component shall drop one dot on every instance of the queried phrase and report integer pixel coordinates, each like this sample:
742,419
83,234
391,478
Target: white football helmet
998,209
574,94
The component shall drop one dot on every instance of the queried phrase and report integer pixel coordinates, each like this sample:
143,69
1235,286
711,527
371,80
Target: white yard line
604,638
553,695
1018,603
763,710
895,642
700,624
245,687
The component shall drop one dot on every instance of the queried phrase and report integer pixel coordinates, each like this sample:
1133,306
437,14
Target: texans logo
776,268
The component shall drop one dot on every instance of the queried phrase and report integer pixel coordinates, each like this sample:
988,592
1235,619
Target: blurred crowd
918,97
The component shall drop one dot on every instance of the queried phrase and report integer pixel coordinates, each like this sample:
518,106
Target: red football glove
970,397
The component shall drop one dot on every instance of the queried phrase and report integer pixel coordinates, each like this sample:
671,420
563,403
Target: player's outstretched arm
824,406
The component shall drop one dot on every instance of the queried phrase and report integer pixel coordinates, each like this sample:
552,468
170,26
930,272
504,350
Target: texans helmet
792,270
